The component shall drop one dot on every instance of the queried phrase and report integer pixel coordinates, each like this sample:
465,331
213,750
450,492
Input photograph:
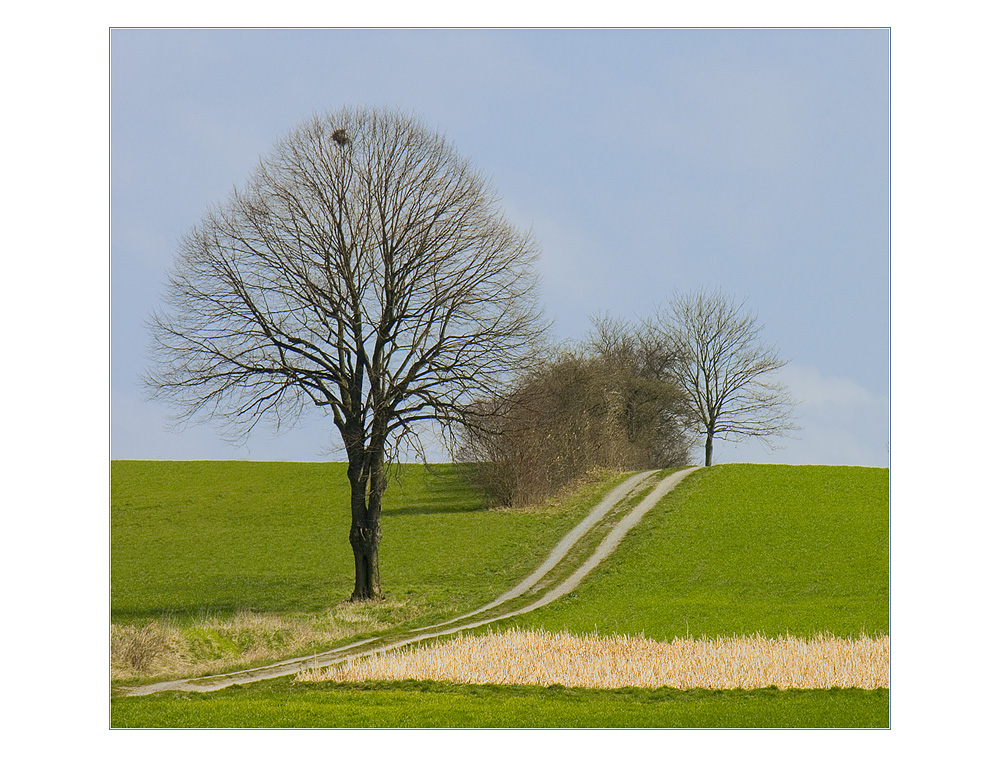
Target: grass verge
411,704
170,648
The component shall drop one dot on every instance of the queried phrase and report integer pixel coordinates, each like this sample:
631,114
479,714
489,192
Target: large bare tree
365,269
724,369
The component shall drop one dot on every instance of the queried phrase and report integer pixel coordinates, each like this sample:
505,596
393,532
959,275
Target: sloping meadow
217,564
741,550
746,576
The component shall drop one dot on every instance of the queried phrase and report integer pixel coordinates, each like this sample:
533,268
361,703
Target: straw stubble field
520,657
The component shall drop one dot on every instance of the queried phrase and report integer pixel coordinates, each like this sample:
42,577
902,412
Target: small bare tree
365,269
723,369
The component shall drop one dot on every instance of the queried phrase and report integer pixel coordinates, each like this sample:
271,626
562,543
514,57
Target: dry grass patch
533,658
139,649
171,648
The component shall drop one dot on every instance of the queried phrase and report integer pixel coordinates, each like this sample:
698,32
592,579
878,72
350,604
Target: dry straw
171,648
528,657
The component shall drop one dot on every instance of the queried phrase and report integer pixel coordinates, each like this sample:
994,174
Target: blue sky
645,160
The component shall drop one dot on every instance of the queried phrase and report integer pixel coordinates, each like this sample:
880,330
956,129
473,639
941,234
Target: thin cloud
811,388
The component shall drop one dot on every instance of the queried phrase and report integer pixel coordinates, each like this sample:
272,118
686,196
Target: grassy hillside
736,549
197,539
742,549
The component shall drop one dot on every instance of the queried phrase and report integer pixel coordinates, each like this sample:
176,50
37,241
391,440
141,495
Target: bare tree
724,369
365,269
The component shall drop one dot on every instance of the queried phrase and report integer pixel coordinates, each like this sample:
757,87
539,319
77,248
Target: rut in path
368,646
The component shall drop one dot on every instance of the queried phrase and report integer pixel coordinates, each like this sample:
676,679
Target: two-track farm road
619,494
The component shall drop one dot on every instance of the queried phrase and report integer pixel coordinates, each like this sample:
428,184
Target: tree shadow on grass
442,490
228,597
466,507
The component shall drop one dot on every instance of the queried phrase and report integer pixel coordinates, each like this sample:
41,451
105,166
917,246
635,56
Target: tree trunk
367,477
364,542
708,449
366,533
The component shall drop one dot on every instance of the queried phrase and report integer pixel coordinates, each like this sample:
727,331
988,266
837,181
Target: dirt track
380,644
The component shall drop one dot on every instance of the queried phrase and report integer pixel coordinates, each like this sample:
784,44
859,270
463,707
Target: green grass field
736,549
197,538
196,544
742,549
425,704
